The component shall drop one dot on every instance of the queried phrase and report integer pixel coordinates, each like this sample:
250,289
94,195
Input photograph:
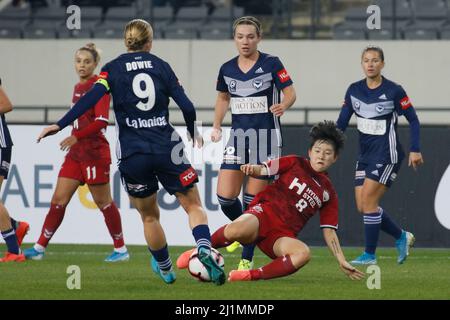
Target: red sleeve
280,165
329,211
92,128
101,109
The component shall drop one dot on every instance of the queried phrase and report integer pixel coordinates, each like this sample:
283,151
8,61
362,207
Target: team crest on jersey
357,105
257,83
379,108
232,86
257,208
326,196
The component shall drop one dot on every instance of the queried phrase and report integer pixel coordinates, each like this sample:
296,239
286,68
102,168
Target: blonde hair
137,33
92,49
248,20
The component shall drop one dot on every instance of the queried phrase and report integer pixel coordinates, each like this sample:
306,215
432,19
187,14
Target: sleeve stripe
104,83
328,226
102,119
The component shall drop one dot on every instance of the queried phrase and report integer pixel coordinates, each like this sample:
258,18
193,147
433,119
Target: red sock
280,267
218,239
52,222
114,224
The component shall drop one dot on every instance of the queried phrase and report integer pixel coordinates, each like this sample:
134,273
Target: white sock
39,248
122,249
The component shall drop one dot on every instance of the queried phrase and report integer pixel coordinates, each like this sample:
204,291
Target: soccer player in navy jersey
12,231
87,162
141,85
279,212
377,103
250,85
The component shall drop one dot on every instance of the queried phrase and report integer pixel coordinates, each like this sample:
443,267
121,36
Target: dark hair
248,20
327,131
92,49
374,48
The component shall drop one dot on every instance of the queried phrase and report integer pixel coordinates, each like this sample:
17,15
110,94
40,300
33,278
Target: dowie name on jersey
136,65
146,123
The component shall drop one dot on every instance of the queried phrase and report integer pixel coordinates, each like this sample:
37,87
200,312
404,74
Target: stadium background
37,73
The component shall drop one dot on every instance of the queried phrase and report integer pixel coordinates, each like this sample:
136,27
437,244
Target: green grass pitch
425,275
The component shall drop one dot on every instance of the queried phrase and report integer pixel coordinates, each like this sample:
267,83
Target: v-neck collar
253,67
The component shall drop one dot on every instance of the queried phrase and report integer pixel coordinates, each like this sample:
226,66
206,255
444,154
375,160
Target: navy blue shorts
382,173
5,161
251,146
140,174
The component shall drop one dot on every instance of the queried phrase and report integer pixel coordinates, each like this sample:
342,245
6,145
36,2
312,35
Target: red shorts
91,172
271,228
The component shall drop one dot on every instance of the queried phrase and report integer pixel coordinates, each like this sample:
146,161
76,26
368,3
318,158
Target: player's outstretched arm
333,244
254,170
48,131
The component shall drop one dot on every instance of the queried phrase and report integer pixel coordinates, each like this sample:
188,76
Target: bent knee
235,232
301,257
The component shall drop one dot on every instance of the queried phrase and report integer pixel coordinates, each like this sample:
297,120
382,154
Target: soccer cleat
183,259
365,259
245,264
232,247
168,277
33,254
10,257
403,245
117,256
215,272
21,231
239,275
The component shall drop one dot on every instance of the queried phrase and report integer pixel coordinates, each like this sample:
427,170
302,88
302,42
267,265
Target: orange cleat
10,257
183,259
239,275
21,231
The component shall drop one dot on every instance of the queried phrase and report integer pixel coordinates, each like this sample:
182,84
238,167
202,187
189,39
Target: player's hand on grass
68,142
351,271
415,160
48,131
278,109
216,134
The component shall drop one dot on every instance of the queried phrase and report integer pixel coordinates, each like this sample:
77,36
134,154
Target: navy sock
231,207
11,241
388,225
14,223
248,249
162,257
202,236
372,223
247,199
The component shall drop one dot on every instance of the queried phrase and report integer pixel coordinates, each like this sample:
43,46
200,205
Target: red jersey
298,193
94,146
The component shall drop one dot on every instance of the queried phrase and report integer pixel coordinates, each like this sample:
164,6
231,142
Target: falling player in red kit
281,210
87,161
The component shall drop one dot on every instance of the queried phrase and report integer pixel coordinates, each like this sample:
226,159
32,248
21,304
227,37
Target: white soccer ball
198,270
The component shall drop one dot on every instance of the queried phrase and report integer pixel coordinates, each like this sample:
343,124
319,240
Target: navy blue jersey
141,85
5,136
377,111
253,93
